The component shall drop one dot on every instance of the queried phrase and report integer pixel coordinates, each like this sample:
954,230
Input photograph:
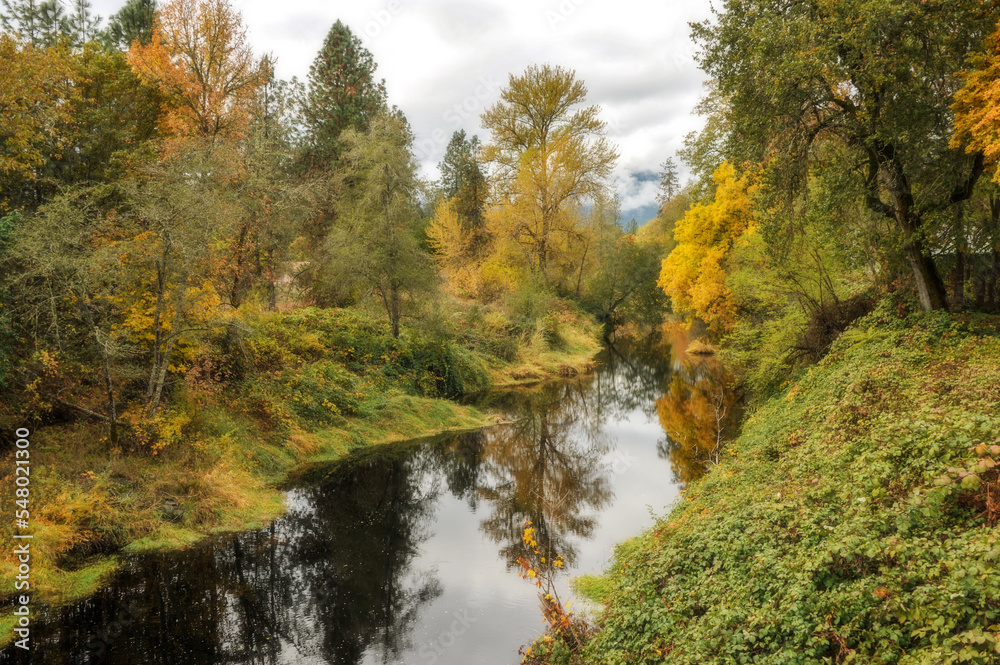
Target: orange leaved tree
977,105
200,57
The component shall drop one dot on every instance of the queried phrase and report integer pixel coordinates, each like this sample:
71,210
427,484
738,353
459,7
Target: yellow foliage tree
548,156
35,85
694,274
977,106
454,248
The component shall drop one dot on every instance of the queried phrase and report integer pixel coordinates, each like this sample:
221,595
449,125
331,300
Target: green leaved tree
22,17
374,243
878,77
83,23
133,22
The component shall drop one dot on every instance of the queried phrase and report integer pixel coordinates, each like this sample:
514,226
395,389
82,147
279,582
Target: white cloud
444,61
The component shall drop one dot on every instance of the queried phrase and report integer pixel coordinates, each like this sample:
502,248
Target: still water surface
410,553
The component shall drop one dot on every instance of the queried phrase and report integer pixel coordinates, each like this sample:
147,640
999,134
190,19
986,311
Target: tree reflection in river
698,412
351,545
329,582
547,468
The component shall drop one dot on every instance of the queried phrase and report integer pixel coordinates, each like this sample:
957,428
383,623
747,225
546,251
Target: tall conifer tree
22,17
52,22
462,179
343,94
83,22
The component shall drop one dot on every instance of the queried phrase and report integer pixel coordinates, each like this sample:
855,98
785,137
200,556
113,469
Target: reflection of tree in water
351,553
333,579
631,377
698,412
546,467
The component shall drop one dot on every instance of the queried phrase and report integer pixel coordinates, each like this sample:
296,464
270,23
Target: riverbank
294,388
854,519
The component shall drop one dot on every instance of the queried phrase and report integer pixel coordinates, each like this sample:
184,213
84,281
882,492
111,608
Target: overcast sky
444,62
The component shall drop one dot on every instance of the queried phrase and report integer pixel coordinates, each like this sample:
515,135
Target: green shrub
852,521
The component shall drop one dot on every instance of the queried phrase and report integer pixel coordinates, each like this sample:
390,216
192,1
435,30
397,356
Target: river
410,553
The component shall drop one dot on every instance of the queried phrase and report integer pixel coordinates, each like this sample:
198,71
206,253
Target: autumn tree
35,89
548,155
133,22
200,57
453,247
374,241
343,94
111,286
457,229
977,106
694,274
878,77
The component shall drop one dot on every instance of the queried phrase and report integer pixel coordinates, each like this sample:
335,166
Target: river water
411,553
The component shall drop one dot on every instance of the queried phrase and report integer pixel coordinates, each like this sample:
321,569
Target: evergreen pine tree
83,23
669,182
133,22
343,94
21,17
462,179
52,22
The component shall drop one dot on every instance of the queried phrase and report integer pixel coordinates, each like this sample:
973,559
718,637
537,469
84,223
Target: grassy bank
264,396
853,521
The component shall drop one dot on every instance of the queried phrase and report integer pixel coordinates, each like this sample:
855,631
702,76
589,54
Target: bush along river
417,553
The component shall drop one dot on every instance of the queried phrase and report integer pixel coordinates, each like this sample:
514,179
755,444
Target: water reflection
699,411
547,468
330,582
371,553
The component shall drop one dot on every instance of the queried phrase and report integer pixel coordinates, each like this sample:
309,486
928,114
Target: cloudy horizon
445,61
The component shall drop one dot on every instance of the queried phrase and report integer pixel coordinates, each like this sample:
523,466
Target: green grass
853,521
595,588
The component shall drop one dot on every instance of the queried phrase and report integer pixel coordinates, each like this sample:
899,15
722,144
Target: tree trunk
109,389
992,282
930,286
961,262
979,288
161,288
159,372
885,170
394,312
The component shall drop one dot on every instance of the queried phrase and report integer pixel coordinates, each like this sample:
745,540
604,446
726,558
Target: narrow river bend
410,553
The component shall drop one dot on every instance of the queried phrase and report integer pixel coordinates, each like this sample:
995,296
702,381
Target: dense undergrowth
259,397
853,521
